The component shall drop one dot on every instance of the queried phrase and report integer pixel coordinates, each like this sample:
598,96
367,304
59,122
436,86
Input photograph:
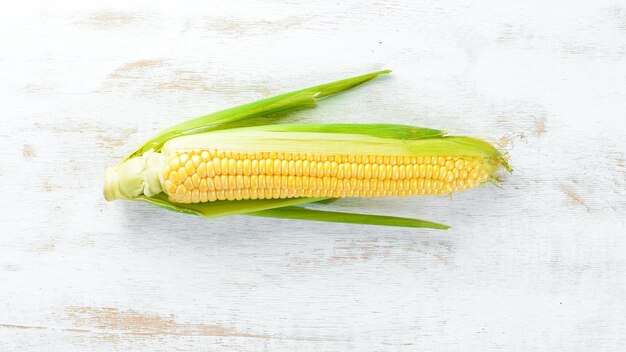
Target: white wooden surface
536,264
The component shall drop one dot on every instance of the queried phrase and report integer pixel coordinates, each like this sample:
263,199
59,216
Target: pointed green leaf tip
287,209
300,213
300,99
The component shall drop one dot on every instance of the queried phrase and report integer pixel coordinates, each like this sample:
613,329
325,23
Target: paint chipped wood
534,264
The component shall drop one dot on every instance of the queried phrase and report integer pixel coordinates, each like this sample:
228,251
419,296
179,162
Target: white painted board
537,263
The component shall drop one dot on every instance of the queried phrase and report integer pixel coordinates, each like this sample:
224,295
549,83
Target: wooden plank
536,263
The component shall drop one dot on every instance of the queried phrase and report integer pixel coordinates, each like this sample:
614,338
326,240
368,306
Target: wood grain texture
535,264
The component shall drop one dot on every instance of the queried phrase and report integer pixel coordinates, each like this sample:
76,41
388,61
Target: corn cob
205,176
199,167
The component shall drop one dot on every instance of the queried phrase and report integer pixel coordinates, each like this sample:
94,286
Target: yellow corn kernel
173,177
169,186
